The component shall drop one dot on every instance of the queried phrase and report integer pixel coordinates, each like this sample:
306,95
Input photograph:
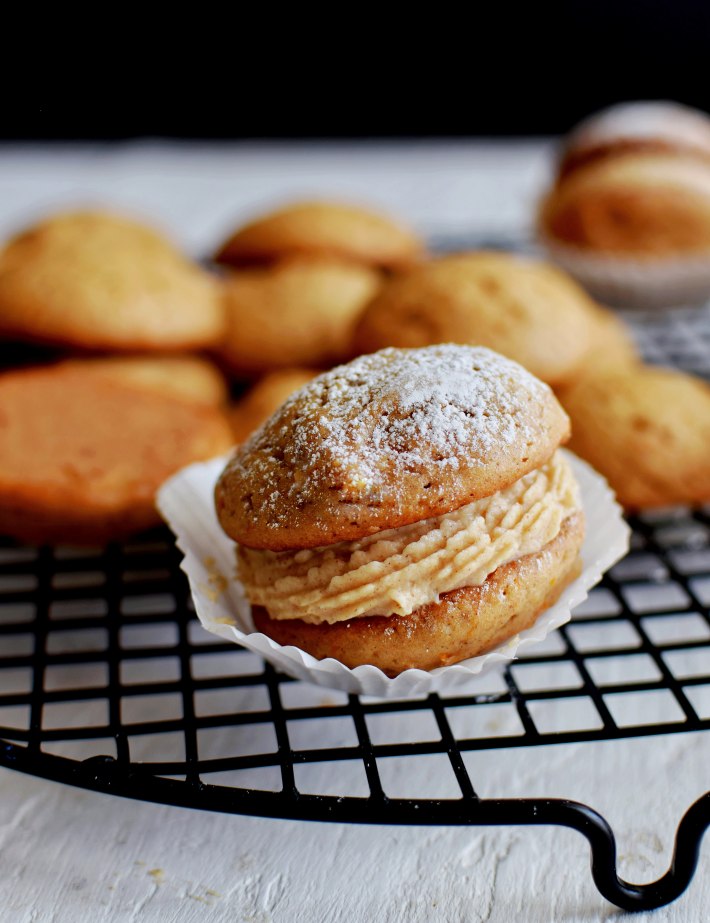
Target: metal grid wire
115,632
108,681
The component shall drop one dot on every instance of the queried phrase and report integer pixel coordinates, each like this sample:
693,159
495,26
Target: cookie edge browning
463,624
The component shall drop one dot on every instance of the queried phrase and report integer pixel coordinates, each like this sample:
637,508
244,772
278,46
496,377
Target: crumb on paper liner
187,505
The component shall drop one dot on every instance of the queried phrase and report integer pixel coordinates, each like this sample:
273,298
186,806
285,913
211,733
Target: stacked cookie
85,442
629,211
407,509
297,281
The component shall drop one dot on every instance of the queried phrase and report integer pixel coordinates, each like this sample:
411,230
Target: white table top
69,855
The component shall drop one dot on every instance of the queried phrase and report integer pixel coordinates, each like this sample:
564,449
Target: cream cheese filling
399,570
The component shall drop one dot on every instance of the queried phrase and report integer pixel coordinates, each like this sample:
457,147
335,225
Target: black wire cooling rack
108,682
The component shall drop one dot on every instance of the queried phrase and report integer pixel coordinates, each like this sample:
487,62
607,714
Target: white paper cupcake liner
186,503
633,283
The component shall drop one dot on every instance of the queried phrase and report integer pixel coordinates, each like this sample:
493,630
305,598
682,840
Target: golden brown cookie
93,280
464,623
323,229
296,313
409,509
264,398
81,455
647,430
523,308
188,377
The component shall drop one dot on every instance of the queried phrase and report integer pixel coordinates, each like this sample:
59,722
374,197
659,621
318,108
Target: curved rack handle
601,839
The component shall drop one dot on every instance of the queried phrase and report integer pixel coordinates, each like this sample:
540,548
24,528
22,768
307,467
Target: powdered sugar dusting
369,432
432,404
643,121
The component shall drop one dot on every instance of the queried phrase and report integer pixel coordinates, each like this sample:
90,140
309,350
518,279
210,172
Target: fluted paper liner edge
187,505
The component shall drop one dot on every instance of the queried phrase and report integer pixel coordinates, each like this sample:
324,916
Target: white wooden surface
68,855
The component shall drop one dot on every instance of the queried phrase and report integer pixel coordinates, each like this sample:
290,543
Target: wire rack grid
108,682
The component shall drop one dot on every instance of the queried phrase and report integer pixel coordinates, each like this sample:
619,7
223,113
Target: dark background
345,72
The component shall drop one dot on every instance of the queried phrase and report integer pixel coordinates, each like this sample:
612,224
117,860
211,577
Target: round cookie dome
647,430
299,312
98,281
387,440
330,229
523,308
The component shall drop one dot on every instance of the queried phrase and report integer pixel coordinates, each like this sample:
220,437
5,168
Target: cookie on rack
523,308
99,281
264,398
299,312
629,212
323,229
408,509
82,454
647,430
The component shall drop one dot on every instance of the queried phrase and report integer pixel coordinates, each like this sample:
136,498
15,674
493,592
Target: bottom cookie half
462,624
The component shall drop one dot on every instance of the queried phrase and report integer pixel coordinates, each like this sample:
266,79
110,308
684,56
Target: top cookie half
386,440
